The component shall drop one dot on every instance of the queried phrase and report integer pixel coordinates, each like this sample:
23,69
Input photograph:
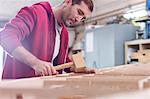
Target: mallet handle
63,66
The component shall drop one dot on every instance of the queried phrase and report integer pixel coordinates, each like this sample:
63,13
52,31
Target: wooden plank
88,85
130,70
135,42
74,85
144,94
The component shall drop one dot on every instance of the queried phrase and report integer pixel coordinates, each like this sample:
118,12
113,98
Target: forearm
40,67
23,55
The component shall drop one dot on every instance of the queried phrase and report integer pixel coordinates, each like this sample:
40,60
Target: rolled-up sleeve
17,29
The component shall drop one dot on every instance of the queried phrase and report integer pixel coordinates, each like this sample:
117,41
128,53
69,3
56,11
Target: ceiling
9,8
102,9
107,8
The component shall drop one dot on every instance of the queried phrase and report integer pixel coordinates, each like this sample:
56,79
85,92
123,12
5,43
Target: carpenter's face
76,13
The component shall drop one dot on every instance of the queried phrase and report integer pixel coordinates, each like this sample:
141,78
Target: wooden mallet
78,63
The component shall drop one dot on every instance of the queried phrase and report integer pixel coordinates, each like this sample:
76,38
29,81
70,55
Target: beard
66,21
68,24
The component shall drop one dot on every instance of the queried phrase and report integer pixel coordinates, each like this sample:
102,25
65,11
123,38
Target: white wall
71,37
9,8
1,61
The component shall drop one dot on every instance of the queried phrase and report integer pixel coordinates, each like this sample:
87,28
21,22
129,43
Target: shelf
137,51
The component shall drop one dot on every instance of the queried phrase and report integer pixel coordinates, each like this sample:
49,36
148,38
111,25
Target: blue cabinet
104,46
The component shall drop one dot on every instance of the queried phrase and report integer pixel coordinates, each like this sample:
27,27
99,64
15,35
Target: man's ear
68,2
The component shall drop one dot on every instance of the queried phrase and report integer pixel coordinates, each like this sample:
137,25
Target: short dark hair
89,3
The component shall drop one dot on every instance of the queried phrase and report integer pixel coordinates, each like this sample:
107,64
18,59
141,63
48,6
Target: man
37,38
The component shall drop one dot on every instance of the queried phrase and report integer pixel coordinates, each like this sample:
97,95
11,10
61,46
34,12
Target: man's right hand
43,68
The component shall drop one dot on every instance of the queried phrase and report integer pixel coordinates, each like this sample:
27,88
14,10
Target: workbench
105,83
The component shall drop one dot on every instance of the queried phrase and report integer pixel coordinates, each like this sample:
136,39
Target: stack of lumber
104,84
